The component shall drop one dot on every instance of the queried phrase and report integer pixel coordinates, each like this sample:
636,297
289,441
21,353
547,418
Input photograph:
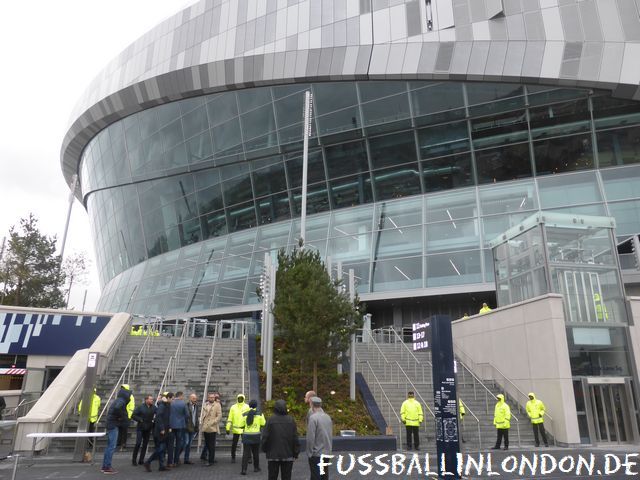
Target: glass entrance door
609,408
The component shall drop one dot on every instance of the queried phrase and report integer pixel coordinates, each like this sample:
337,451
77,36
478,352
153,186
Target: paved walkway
224,469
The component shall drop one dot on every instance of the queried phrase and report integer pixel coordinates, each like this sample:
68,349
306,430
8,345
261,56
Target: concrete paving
603,466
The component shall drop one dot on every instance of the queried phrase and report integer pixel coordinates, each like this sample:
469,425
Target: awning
13,371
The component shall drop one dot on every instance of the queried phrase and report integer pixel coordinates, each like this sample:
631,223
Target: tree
30,272
314,316
75,268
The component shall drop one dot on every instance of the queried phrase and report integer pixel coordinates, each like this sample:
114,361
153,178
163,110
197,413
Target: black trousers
234,445
502,433
314,468
539,427
122,436
142,440
413,431
283,467
248,451
209,451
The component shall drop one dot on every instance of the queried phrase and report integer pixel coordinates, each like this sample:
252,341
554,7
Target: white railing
208,379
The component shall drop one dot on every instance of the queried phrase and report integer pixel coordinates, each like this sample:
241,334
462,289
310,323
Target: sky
50,51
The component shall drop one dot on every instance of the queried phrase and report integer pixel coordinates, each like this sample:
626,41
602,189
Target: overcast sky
50,51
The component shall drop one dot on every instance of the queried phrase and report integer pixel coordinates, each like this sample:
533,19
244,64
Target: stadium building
438,125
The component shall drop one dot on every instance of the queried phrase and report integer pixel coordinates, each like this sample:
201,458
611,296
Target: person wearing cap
535,411
236,422
319,438
280,442
211,416
254,421
485,309
411,416
160,432
116,416
124,428
502,422
307,399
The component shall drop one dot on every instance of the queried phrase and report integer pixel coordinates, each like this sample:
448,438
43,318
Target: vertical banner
445,396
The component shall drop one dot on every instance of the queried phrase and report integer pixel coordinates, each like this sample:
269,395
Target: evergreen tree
30,273
314,316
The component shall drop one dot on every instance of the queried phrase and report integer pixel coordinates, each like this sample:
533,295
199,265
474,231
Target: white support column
352,356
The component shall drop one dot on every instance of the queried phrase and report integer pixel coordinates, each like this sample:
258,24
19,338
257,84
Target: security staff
236,423
411,415
461,413
485,309
535,410
502,422
601,309
123,429
94,411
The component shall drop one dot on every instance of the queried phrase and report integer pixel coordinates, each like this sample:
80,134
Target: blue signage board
47,333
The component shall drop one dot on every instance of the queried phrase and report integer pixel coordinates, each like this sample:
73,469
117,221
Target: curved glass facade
175,187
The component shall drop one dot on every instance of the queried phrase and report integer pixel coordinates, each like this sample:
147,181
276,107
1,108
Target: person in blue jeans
116,417
193,425
178,425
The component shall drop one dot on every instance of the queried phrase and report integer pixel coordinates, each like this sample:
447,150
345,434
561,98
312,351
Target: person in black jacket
116,417
280,442
143,415
160,432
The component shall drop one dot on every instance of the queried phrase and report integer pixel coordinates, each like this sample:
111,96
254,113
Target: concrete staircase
190,377
398,372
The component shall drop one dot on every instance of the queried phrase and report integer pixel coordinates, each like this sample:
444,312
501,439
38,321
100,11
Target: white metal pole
269,359
74,183
4,240
308,99
352,357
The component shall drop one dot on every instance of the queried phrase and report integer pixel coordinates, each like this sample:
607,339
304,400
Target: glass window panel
330,97
397,274
258,122
619,147
229,294
176,301
227,138
452,235
501,129
386,110
175,157
222,107
315,168
451,205
342,120
559,119
253,98
350,247
606,106
148,123
201,297
447,172
542,94
560,191
189,104
351,191
195,122
392,150
398,214
241,216
490,92
506,163
236,266
273,208
564,154
317,228
375,90
400,242
152,151
515,197
289,110
627,215
443,140
621,183
273,237
184,277
594,209
397,182
237,190
281,91
346,159
214,224
317,199
269,180
190,255
352,222
361,274
454,268
167,113
156,243
199,148
431,98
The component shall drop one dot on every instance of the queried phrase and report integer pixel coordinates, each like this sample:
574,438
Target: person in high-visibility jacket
236,423
123,429
601,309
461,413
502,422
485,309
254,421
411,415
94,411
535,410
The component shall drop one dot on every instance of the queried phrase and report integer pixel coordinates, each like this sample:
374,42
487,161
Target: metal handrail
415,389
468,410
418,363
183,336
382,355
118,343
390,405
208,378
165,378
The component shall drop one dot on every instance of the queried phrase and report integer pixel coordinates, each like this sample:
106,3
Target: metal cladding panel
229,44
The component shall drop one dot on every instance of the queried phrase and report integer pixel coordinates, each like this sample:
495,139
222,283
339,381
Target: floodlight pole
352,359
308,111
74,183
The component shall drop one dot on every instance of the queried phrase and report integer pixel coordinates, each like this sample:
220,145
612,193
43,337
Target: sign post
87,396
445,396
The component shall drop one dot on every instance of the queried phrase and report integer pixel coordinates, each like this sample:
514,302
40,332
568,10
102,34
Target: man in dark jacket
177,426
143,415
160,431
193,424
280,442
116,417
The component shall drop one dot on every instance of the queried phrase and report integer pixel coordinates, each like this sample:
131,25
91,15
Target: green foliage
30,273
314,316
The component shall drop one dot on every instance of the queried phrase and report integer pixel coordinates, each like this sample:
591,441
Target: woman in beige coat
211,416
